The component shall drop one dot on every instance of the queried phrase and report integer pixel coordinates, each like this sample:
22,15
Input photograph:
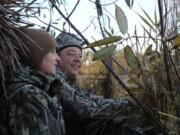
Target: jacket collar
26,76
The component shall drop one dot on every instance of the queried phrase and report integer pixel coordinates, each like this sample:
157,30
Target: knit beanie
38,43
65,40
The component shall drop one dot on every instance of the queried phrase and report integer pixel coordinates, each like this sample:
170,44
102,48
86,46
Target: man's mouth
75,66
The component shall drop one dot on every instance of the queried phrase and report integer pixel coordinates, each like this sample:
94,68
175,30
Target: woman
29,110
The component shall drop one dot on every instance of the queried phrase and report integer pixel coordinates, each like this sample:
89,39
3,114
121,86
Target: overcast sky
86,11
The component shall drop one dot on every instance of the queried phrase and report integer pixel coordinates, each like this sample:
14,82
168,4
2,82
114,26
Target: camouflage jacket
27,109
78,104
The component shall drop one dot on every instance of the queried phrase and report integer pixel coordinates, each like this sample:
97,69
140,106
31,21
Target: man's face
70,60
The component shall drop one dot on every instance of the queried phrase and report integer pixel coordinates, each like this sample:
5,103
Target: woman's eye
53,51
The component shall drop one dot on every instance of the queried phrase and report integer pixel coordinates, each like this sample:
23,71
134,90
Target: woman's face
49,62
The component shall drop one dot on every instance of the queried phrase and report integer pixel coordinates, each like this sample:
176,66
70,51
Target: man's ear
60,62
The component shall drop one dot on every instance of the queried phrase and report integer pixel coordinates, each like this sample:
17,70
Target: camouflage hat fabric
65,40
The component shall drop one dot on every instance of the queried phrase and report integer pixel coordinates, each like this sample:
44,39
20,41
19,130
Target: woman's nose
57,57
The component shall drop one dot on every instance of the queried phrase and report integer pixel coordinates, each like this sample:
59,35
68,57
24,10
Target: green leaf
44,16
105,41
121,19
147,15
131,58
107,32
39,11
112,30
104,52
156,20
149,51
176,42
64,24
109,22
146,22
129,3
150,35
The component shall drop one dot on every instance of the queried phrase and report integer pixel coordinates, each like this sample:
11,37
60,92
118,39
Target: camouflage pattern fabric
82,109
67,39
86,114
28,110
78,104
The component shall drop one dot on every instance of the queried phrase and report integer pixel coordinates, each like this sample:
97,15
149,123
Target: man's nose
77,58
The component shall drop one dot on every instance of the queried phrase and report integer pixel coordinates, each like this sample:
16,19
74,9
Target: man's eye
71,54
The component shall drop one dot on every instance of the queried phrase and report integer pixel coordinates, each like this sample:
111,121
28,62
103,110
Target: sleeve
29,114
113,103
77,105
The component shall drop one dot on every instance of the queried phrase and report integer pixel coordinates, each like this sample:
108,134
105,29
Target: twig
98,17
47,24
73,9
110,3
105,4
165,50
175,69
29,4
88,25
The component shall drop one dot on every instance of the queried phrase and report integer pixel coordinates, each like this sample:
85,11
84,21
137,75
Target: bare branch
73,9
165,49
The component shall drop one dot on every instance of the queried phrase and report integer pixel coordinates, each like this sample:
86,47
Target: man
81,108
70,51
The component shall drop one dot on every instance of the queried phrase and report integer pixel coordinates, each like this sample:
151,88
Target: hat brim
61,48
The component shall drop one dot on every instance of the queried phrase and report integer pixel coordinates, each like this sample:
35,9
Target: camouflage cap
65,40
